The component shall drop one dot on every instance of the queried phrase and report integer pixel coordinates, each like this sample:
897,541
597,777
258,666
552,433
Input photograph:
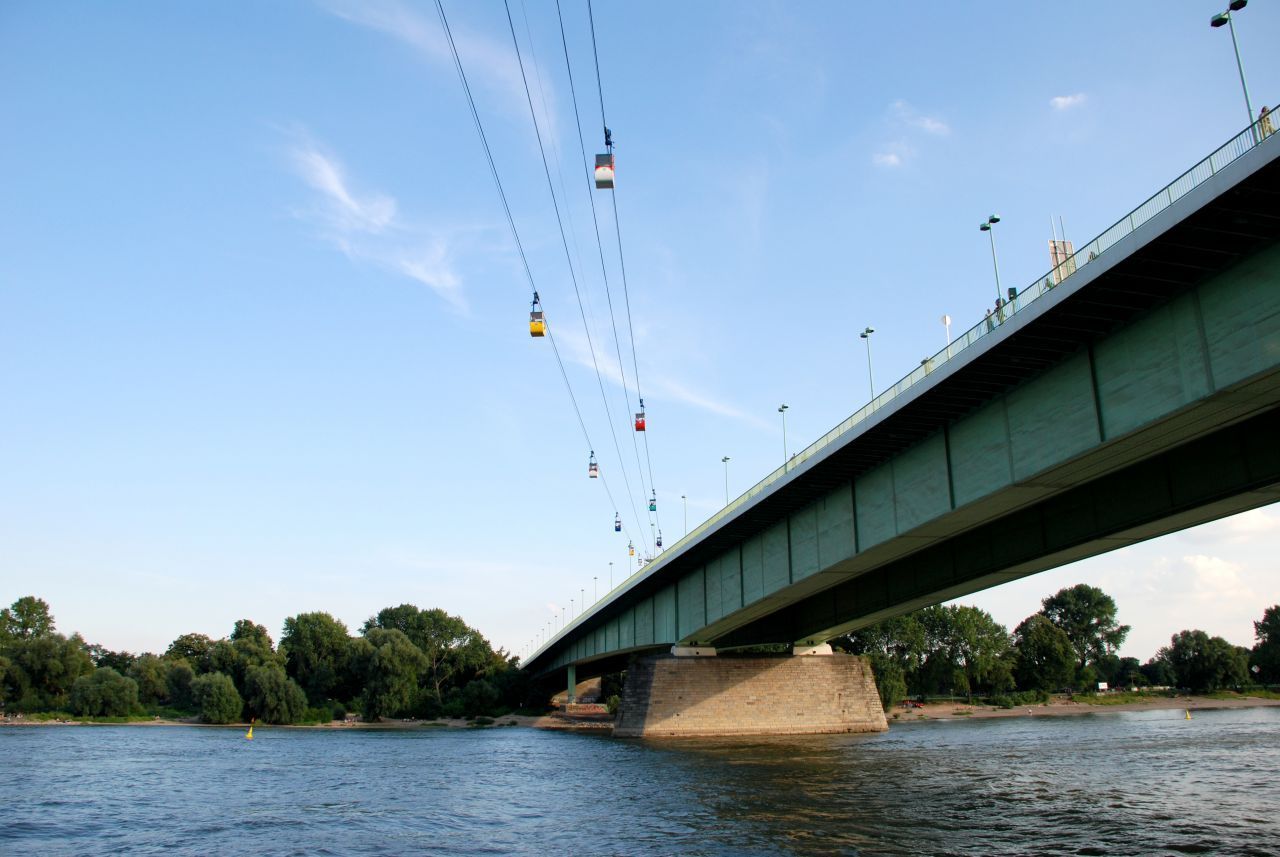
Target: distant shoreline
934,712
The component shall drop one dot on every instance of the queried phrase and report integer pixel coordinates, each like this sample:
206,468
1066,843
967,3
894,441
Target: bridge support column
573,685
670,695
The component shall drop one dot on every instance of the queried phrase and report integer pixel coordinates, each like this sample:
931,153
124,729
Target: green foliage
1045,659
1203,663
1013,700
453,652
391,665
195,649
1159,670
178,678
1088,616
612,704
338,711
315,647
104,693
273,697
42,669
216,698
26,618
1266,653
104,657
891,682
151,674
967,651
479,697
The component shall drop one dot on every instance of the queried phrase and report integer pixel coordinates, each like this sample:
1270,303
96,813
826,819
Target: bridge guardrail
1208,167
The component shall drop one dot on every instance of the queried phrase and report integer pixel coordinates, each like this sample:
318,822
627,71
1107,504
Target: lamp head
1219,19
781,408
1237,5
993,219
866,333
985,227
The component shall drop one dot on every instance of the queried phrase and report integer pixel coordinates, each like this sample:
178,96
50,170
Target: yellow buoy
1188,710
249,735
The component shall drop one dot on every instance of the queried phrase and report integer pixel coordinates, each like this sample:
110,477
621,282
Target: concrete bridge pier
695,691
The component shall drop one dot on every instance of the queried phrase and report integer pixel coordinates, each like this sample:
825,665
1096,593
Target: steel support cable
515,234
622,262
546,168
595,221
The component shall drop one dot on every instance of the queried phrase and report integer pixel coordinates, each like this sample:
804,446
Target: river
1110,783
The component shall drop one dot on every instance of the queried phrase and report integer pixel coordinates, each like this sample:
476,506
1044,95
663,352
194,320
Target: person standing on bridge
1000,309
1265,127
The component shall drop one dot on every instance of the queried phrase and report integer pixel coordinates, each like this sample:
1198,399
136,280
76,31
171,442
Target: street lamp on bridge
725,461
866,337
782,409
1225,18
986,227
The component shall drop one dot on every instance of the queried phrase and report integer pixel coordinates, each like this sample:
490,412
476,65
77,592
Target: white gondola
604,171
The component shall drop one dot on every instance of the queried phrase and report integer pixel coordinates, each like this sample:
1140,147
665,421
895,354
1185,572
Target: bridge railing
1228,152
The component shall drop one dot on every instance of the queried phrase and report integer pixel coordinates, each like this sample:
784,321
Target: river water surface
1112,783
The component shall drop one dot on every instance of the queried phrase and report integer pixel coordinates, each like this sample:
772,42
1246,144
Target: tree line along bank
411,662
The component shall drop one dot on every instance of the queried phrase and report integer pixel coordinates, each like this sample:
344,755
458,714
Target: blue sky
263,342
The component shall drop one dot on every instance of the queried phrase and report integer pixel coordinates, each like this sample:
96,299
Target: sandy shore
1062,707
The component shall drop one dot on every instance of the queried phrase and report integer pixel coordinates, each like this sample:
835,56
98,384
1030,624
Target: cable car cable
617,225
604,271
565,243
493,169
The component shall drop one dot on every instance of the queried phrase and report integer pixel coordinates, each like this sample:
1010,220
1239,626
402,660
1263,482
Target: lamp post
685,502
725,461
595,589
866,337
582,593
986,227
610,576
946,322
571,609
782,409
1225,18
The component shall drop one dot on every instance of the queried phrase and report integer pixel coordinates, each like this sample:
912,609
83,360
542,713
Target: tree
178,677
248,646
26,618
896,649
1045,659
273,697
150,672
1159,670
104,657
453,651
104,693
195,649
966,650
315,648
43,668
1088,616
1203,663
1266,653
391,666
216,698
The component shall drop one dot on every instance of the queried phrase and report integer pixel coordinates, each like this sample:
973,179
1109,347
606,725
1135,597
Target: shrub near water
216,698
104,693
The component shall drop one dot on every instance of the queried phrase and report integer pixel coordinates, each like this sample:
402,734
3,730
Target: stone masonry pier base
665,695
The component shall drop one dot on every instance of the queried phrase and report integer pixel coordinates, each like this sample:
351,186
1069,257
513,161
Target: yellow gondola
537,323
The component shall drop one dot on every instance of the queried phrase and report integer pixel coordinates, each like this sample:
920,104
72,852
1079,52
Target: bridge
1132,392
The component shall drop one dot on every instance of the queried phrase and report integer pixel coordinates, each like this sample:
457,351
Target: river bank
1064,707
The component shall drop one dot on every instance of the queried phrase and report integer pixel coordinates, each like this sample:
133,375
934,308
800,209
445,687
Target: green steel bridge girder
1169,421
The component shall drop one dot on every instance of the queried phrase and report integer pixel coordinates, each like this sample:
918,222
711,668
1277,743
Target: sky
263,324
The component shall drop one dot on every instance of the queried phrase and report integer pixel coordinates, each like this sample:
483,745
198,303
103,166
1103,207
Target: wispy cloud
1066,102
907,125
366,226
490,63
913,118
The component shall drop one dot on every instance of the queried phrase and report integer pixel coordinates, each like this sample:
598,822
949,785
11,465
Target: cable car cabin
640,421
653,502
537,324
617,523
592,469
631,549
604,171
659,541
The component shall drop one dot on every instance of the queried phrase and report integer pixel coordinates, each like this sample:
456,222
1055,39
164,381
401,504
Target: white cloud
1066,102
913,118
366,226
886,159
